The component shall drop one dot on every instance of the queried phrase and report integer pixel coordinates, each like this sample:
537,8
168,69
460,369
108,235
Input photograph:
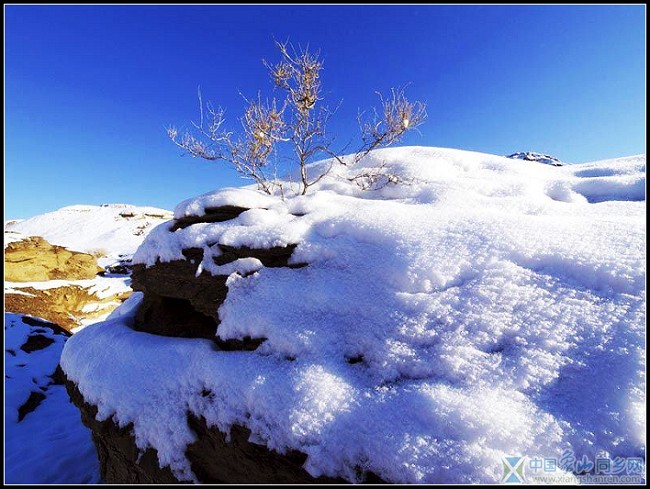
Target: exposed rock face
67,305
35,260
213,459
176,301
119,457
212,214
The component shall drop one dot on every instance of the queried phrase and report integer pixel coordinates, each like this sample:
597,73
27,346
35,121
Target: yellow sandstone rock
35,260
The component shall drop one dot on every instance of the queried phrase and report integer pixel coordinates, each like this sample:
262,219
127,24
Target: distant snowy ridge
107,229
484,308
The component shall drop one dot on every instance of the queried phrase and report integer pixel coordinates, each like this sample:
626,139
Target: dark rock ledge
212,459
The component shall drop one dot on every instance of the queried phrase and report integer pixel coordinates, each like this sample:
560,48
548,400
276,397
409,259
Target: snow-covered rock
539,157
71,304
480,309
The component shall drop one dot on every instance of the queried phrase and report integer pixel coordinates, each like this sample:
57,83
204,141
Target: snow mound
107,229
480,309
533,156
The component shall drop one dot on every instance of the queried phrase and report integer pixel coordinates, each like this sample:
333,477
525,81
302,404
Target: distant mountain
539,157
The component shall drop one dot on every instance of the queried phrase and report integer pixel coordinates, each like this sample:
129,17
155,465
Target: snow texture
50,445
483,308
240,197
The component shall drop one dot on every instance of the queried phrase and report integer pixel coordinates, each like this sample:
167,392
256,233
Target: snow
50,445
485,308
105,230
102,287
240,197
13,236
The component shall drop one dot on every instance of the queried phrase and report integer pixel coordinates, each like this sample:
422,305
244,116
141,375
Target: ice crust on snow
484,308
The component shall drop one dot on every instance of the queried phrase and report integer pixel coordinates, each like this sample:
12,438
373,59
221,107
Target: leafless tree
300,120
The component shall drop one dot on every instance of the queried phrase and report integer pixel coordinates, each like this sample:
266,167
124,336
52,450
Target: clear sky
90,90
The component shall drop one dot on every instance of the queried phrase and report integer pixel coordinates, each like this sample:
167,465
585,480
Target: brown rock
213,459
63,305
119,457
178,280
238,461
278,256
178,303
35,260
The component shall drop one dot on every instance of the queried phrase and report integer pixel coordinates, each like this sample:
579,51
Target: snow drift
48,445
483,308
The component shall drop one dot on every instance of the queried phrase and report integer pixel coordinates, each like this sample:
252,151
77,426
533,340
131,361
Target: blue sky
89,90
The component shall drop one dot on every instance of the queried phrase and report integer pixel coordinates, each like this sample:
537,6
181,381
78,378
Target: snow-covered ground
483,308
112,232
106,231
49,445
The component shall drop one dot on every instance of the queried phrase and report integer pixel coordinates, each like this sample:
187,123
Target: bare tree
398,115
263,126
299,120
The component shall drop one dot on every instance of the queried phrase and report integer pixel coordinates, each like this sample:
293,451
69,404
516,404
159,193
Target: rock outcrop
214,458
35,260
538,157
178,302
68,306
